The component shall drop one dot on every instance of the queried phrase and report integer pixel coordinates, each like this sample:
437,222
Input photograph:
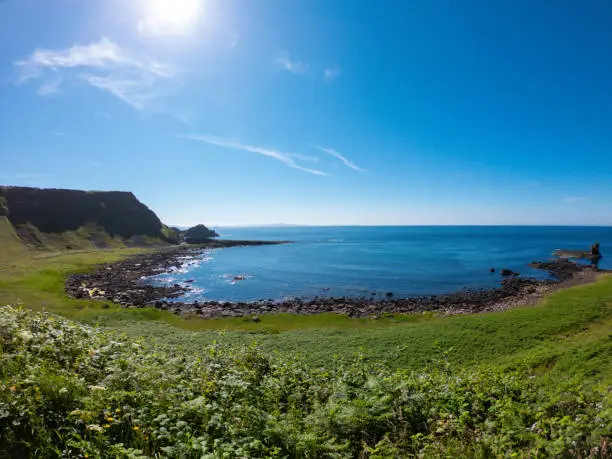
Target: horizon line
484,225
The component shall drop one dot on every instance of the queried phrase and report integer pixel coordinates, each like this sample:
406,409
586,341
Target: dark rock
256,319
123,285
198,234
492,270
507,272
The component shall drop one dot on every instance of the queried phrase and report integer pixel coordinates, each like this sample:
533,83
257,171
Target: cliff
100,216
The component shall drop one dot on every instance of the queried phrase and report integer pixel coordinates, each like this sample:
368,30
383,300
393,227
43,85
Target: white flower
95,427
97,387
26,336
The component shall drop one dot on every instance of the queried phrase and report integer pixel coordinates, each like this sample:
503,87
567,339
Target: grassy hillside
11,246
392,387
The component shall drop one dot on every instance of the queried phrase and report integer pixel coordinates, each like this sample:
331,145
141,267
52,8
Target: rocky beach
125,283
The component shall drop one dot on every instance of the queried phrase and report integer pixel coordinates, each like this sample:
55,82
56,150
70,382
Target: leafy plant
67,390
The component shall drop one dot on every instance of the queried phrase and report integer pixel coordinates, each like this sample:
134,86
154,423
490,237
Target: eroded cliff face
56,211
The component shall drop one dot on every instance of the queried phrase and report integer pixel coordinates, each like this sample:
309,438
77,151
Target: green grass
11,246
69,391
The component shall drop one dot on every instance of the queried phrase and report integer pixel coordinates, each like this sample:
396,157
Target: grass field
559,348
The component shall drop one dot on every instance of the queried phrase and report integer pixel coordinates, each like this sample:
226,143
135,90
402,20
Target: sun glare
171,16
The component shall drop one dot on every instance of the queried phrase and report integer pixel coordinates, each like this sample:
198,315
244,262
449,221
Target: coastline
122,284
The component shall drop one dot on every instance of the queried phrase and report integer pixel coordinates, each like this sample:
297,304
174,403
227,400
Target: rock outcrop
198,234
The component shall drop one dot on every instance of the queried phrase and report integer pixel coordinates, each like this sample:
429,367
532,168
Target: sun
171,16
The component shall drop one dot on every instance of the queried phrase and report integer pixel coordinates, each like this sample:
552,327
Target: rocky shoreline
122,283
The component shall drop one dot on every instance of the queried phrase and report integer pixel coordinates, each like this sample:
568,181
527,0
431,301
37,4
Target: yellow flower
107,426
13,388
117,410
136,428
109,419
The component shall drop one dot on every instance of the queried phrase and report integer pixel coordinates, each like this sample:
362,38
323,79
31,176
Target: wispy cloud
332,72
316,70
347,162
103,65
574,199
289,159
50,87
135,92
297,67
57,133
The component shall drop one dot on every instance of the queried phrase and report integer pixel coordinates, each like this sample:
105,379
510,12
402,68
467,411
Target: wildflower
109,419
97,387
94,427
107,426
26,335
13,388
136,428
117,410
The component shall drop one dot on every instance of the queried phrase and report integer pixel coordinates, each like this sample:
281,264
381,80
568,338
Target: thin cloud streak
297,67
331,73
347,162
286,158
108,67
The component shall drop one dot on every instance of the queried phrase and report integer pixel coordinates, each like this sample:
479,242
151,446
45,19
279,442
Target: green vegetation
11,246
72,391
533,381
170,234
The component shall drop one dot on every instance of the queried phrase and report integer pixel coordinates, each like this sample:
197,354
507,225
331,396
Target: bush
72,391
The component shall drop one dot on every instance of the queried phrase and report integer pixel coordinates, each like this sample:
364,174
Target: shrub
72,391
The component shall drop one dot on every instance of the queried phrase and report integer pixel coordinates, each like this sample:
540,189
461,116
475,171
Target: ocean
373,261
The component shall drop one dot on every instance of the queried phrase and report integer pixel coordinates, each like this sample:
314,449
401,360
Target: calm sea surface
357,261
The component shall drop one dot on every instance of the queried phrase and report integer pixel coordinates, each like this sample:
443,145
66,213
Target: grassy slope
10,245
570,328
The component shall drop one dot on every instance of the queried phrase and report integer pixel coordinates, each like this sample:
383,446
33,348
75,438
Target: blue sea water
359,261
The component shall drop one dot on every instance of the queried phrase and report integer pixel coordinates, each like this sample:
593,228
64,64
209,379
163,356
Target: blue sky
233,112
